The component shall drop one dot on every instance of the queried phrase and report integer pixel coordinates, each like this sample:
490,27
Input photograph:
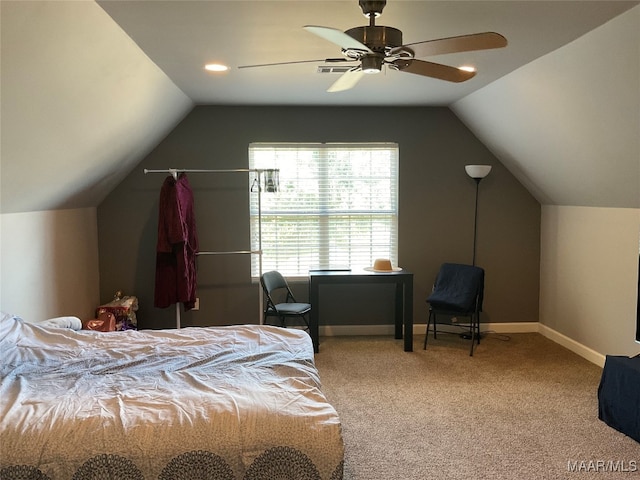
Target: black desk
619,395
404,298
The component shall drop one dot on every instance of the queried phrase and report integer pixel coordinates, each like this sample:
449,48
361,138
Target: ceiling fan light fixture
371,64
467,68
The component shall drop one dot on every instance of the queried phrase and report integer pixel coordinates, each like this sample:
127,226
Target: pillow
74,323
7,317
8,322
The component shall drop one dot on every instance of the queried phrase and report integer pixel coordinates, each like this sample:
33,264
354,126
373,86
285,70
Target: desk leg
399,315
314,297
408,314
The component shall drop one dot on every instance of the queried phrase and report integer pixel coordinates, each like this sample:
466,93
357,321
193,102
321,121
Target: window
337,206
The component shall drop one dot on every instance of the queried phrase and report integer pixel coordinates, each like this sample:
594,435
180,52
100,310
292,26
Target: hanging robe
177,245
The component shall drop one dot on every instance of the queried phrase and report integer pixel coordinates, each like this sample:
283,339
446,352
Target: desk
404,298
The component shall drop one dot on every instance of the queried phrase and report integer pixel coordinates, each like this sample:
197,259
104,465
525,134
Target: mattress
241,402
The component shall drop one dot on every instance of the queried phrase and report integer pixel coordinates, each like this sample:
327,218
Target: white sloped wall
567,126
81,105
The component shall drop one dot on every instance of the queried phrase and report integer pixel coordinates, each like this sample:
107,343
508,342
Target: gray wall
435,216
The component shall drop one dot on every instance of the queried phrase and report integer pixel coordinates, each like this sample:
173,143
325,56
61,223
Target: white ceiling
181,36
85,99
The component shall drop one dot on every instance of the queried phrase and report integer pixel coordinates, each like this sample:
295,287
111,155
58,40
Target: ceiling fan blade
338,37
463,43
326,60
433,70
347,80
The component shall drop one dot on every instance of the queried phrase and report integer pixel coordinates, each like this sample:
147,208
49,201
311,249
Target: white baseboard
513,327
354,330
419,329
575,347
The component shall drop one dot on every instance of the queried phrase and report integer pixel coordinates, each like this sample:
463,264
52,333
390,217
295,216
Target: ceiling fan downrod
378,38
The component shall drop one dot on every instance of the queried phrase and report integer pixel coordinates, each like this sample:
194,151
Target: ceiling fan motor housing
377,37
372,7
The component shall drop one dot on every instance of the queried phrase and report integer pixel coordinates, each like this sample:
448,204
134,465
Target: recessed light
467,68
216,67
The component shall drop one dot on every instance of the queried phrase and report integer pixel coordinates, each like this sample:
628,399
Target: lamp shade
477,171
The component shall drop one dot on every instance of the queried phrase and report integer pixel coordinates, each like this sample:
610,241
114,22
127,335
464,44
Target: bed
241,402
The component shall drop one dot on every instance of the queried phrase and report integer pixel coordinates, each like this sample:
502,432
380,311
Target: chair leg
435,333
473,335
426,334
475,330
306,322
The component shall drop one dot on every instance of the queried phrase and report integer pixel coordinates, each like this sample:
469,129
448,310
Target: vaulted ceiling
180,37
88,89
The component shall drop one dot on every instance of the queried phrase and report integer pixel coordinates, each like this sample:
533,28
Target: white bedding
227,402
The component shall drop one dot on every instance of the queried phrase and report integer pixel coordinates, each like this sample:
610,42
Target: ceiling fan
374,45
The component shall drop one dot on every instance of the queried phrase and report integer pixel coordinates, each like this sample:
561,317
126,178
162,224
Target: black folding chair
457,292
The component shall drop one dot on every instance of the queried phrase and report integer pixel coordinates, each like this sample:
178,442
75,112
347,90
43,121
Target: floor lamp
477,172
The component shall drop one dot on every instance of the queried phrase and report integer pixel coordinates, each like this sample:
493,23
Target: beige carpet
522,407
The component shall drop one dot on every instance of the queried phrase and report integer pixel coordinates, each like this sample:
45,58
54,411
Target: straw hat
382,265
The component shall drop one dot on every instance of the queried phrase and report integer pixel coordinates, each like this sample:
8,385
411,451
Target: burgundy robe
177,245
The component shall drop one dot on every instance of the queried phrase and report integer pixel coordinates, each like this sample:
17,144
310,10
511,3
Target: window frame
387,217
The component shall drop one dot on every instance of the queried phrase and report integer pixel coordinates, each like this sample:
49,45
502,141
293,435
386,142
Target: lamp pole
477,172
475,222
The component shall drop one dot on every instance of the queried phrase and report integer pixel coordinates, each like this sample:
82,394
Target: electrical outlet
197,304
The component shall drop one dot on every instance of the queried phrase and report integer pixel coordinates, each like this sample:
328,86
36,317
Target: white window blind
337,206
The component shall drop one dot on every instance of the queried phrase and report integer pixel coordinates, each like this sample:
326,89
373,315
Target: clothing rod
259,171
187,170
237,252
